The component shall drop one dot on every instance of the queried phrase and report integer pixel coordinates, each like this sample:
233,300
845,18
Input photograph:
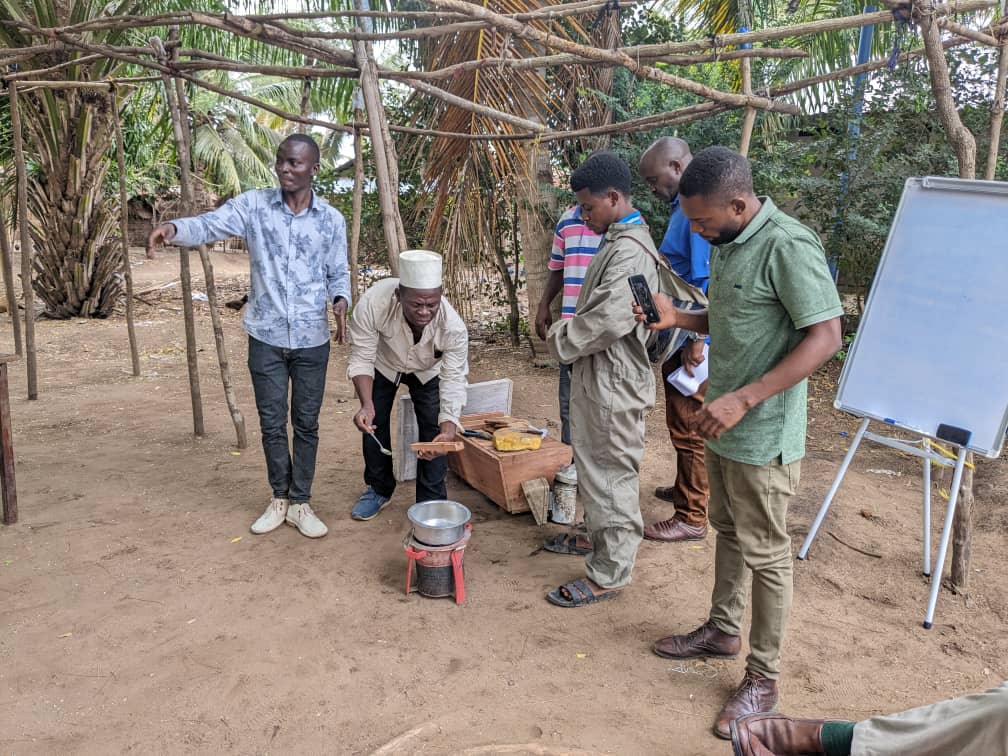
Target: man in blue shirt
661,167
298,259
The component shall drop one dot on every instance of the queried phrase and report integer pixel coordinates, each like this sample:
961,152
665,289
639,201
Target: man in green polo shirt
774,319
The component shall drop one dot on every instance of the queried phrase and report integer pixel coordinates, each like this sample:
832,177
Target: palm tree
234,143
473,185
69,133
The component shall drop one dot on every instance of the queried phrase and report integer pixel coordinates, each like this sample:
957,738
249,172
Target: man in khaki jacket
612,384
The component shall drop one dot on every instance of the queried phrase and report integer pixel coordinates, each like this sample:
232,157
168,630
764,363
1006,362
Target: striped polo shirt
574,245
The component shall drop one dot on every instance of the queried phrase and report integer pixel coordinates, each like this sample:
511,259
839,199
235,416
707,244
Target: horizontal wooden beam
617,57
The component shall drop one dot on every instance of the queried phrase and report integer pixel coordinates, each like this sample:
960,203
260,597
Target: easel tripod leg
803,552
936,576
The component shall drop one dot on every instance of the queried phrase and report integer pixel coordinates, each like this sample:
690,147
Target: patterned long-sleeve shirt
298,262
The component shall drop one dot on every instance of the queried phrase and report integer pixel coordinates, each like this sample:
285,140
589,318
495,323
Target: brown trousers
691,489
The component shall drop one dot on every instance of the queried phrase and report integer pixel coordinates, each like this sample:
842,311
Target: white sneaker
272,518
302,518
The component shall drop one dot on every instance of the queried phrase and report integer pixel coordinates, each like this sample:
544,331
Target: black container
435,582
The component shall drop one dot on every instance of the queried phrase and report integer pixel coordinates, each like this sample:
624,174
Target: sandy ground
140,615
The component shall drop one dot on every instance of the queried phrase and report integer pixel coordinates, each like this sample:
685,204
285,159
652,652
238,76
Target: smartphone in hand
642,295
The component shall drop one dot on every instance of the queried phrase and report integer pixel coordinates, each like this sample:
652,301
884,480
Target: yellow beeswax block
507,439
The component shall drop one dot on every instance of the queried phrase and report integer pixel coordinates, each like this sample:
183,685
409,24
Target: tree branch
959,136
997,112
612,56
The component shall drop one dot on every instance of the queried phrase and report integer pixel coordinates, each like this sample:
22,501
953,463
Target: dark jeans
430,481
272,369
564,397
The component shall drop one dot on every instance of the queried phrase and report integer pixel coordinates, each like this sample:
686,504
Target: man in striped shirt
574,245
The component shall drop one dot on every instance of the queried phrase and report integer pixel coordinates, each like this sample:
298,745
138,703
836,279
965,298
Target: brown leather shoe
756,694
673,530
706,641
760,734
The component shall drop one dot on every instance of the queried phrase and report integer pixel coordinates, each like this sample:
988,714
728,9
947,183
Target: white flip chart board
932,346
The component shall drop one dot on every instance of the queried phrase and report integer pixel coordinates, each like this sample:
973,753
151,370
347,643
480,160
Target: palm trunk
69,134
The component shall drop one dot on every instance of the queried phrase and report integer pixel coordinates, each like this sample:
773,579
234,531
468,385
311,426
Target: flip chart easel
931,351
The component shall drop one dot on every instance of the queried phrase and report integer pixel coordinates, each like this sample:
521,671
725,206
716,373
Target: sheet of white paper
687,385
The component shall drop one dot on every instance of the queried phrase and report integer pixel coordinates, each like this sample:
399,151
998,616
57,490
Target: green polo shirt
765,286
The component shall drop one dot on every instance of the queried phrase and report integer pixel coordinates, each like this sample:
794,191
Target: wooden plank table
9,490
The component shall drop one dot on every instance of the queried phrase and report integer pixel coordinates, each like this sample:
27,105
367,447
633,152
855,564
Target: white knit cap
420,269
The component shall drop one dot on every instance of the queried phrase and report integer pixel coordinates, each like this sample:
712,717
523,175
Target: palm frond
465,181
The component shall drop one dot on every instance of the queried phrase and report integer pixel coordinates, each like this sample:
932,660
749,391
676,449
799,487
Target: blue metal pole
853,132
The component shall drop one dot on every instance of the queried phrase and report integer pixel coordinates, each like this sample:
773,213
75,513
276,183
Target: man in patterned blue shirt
298,259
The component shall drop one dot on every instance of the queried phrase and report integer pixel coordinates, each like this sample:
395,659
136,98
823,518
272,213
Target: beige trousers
748,509
975,725
607,431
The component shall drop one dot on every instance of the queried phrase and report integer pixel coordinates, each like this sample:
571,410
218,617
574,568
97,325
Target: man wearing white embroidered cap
403,331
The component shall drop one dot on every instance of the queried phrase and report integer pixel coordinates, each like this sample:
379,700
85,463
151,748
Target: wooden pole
26,243
962,532
185,274
997,112
721,41
392,159
27,84
9,488
356,207
241,439
222,356
745,65
124,231
749,119
562,59
964,144
306,85
388,189
964,31
8,273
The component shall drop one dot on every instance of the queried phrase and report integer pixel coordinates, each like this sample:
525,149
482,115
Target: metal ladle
384,451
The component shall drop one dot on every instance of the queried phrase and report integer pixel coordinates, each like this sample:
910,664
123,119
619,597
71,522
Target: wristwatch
694,336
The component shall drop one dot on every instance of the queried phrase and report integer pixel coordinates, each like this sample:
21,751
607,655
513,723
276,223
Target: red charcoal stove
439,570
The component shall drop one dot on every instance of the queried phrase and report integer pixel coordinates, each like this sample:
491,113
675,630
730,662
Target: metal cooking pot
439,522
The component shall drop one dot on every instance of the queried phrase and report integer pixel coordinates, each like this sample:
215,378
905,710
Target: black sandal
565,543
578,593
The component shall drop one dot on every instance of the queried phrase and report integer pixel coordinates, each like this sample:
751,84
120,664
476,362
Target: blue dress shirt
687,253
